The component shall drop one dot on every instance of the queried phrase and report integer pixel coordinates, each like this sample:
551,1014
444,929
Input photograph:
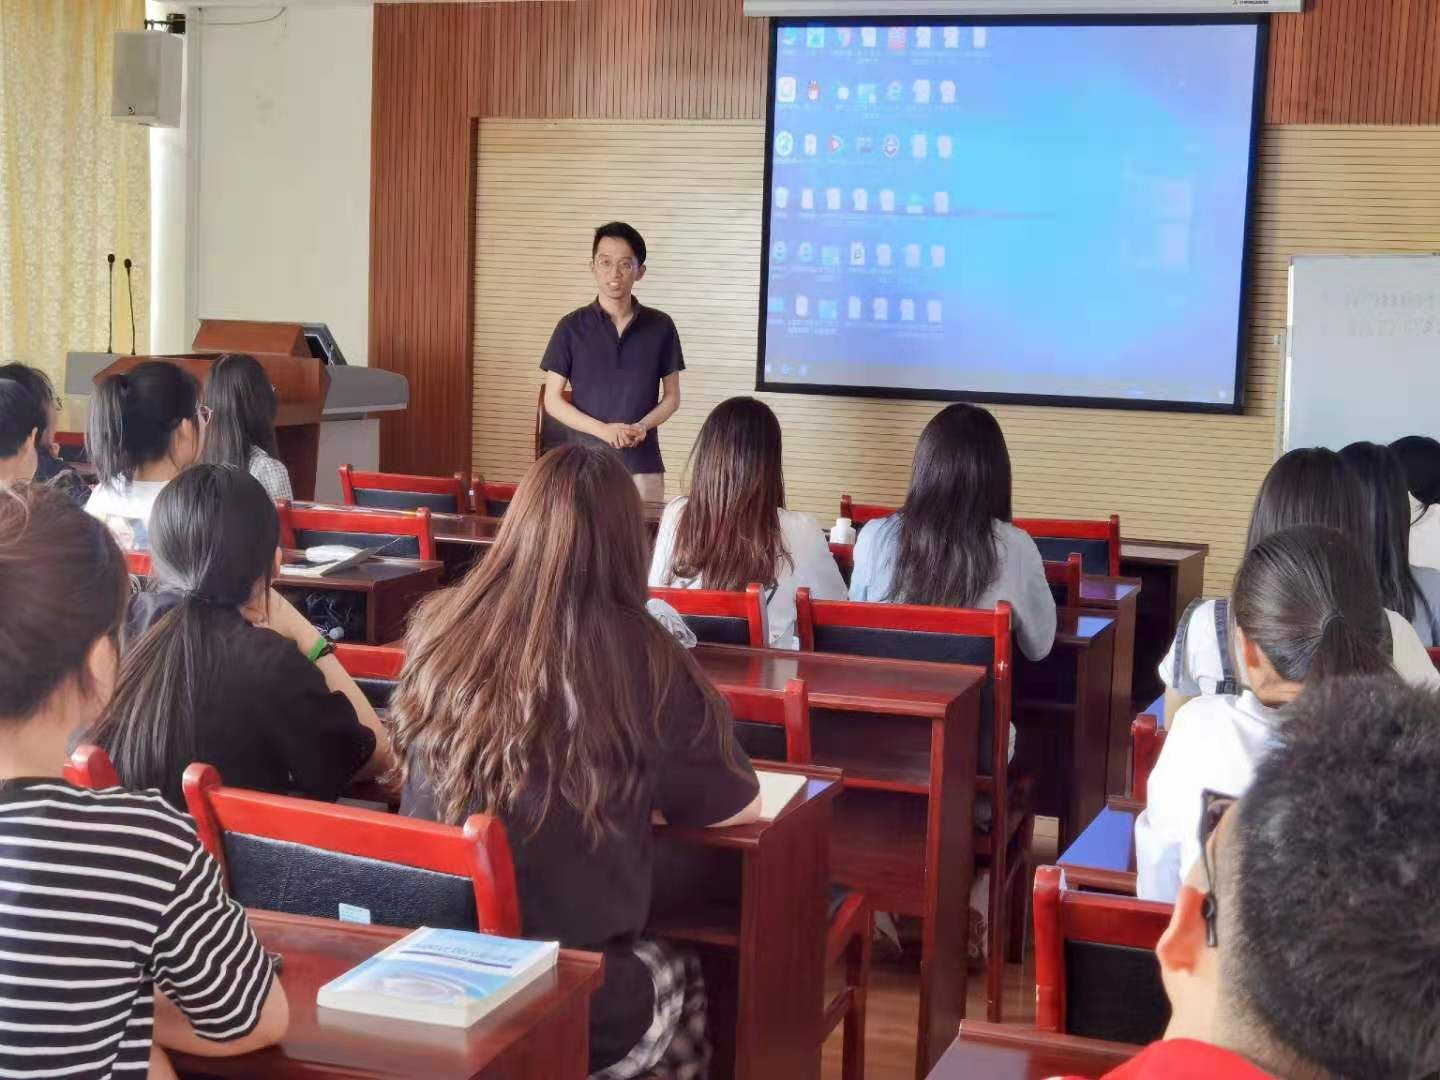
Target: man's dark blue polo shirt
614,377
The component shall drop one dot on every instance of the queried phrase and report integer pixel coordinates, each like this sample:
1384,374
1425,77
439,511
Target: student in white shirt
1310,486
241,432
1412,591
951,544
1420,457
1305,609
145,427
733,528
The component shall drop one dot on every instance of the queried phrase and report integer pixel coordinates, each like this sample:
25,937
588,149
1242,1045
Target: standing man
622,361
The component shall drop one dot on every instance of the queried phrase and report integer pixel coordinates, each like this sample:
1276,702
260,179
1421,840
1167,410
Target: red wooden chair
1147,739
850,916
309,526
1097,542
401,491
490,498
90,767
1064,580
844,556
313,858
375,669
138,563
1095,969
1434,656
860,513
955,636
720,617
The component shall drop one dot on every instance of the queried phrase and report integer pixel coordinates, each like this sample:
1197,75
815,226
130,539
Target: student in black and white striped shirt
105,897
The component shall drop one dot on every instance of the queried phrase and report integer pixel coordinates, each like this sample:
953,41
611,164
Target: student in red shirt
1303,944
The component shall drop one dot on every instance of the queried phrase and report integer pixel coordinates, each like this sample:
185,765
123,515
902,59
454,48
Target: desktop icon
812,90
882,254
842,93
891,145
895,91
852,308
880,309
812,144
914,204
829,310
775,305
807,199
857,253
869,36
860,199
918,145
947,92
922,37
921,89
843,36
815,37
866,93
980,38
912,255
832,198
802,306
837,144
937,256
864,144
784,144
789,36
779,251
952,37
785,89
932,311
944,146
782,198
942,202
895,37
806,251
887,201
830,255
907,310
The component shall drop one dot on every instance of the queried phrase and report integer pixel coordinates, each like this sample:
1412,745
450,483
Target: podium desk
390,587
543,1031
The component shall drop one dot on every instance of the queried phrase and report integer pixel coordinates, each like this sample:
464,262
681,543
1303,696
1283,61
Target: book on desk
450,977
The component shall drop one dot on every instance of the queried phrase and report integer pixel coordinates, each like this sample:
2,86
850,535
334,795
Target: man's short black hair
620,231
20,415
1335,882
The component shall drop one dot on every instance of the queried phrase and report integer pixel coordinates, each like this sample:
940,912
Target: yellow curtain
74,184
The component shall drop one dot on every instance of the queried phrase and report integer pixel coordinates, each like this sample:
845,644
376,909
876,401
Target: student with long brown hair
733,528
541,691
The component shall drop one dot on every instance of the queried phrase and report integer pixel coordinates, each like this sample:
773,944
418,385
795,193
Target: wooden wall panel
694,190
440,66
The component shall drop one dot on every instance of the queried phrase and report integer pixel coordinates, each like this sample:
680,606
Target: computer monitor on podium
322,344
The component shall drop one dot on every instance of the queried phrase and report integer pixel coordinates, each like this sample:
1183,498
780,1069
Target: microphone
110,311
130,289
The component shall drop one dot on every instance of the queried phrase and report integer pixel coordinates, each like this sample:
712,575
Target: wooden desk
1172,576
1064,713
906,734
391,587
542,1031
1119,599
1001,1052
1102,857
760,929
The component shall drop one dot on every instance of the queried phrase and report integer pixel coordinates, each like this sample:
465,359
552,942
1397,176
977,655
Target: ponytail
1308,598
133,416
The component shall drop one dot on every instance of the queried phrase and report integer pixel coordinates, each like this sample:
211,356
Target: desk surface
998,1052
363,578
326,1042
1107,592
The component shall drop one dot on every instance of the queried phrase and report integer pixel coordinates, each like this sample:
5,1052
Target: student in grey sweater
952,544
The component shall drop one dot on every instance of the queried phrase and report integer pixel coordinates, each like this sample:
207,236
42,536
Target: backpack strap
1181,633
1228,684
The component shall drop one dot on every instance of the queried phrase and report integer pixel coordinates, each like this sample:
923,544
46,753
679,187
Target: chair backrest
844,556
719,617
310,858
1147,739
1096,542
1095,969
400,491
375,669
310,526
788,709
138,563
917,632
1064,580
860,513
1434,656
567,394
90,767
490,498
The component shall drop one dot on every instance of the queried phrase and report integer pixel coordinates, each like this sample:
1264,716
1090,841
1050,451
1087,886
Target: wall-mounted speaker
148,77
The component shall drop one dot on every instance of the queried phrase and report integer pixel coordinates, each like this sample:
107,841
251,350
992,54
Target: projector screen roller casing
1040,211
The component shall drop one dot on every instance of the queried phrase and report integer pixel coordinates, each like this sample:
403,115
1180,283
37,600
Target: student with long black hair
1307,486
218,667
146,425
118,936
1411,591
952,544
49,469
1306,608
1420,458
241,431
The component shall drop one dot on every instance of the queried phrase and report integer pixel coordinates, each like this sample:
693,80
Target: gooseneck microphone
110,309
130,289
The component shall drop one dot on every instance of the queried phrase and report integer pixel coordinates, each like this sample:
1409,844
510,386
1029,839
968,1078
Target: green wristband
323,647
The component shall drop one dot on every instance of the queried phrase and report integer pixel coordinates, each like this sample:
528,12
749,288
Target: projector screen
1044,212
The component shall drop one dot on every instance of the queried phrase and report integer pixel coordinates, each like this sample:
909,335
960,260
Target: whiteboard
1363,349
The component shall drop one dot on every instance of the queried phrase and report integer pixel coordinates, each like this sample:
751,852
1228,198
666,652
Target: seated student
951,544
218,667
1309,486
21,419
116,931
1306,608
49,468
733,527
541,691
1411,591
1303,945
241,431
1420,457
145,426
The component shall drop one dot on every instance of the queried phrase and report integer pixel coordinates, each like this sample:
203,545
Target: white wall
277,150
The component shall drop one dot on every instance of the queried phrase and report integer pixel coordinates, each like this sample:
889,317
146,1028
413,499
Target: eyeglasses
625,266
1212,810
205,413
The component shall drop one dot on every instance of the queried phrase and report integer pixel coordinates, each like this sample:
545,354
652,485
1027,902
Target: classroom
719,538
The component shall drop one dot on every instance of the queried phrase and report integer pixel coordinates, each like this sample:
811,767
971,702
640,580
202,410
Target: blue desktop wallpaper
1022,210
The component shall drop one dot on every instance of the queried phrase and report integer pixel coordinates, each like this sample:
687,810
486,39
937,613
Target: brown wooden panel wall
440,66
